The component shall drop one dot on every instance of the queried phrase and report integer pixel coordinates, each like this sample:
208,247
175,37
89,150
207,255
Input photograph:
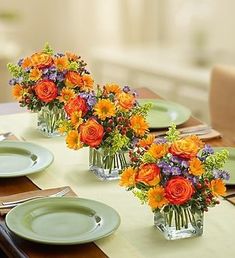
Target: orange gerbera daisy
104,108
139,125
61,63
35,74
76,119
112,88
27,62
66,95
17,91
88,82
71,56
73,140
156,197
217,187
196,167
146,141
158,150
128,177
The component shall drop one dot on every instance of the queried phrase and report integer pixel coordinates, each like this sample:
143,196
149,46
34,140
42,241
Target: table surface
22,184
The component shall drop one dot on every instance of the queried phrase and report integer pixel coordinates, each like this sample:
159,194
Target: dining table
136,235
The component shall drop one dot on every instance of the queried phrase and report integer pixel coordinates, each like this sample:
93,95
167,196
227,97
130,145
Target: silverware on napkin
3,136
11,204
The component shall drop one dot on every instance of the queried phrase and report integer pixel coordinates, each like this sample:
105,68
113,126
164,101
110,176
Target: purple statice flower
162,164
19,80
12,81
175,171
52,76
52,69
60,77
207,150
184,164
20,61
91,100
166,170
193,179
160,140
221,174
126,89
175,159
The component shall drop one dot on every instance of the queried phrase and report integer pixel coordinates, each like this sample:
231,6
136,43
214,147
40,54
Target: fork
15,203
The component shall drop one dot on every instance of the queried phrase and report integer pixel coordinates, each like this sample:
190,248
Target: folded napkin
19,196
209,135
230,194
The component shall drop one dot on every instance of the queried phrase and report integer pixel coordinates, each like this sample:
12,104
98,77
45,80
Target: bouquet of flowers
109,121
179,178
47,81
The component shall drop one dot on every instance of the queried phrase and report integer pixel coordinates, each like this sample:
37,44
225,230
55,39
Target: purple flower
184,164
12,81
175,171
193,179
207,149
160,140
20,62
19,80
167,170
53,76
45,71
126,89
221,174
60,77
91,100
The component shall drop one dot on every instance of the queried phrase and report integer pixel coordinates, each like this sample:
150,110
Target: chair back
222,99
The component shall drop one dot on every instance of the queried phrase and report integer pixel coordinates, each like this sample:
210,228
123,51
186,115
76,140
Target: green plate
163,113
230,164
62,221
22,158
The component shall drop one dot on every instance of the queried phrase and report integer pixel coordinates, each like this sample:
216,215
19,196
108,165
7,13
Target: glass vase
107,166
48,120
176,222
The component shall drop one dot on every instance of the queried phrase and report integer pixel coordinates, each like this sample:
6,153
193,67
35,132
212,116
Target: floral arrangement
109,118
48,79
179,176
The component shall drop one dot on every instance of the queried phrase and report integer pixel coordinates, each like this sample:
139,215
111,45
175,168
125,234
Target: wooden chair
222,100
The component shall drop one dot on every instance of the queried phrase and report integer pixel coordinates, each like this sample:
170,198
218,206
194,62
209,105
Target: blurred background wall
166,45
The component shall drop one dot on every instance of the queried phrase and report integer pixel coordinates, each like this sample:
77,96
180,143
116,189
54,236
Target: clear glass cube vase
178,222
106,165
48,120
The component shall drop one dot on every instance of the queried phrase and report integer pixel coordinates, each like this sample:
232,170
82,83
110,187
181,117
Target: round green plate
22,158
230,163
62,221
163,113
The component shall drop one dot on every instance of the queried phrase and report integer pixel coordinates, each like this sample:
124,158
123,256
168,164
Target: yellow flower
217,187
146,141
18,91
73,140
112,88
138,125
196,167
128,177
88,83
35,74
76,119
61,63
126,100
158,150
27,63
66,95
156,197
104,108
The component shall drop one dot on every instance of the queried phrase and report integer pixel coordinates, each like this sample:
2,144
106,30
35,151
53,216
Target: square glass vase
179,222
48,120
107,166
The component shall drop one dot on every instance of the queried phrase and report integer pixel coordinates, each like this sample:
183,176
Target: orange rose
126,100
158,150
185,148
76,104
91,133
73,78
46,90
178,190
148,174
41,60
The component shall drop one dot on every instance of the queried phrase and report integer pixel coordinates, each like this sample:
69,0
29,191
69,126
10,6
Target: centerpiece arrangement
109,121
45,81
179,178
